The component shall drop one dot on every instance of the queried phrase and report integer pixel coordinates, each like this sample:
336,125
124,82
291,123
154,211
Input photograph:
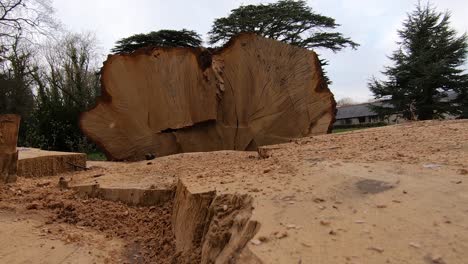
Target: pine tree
289,21
427,67
161,38
292,22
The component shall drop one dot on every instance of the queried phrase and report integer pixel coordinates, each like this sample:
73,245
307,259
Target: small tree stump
9,126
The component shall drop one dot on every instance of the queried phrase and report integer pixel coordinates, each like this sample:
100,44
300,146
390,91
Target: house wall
358,121
391,119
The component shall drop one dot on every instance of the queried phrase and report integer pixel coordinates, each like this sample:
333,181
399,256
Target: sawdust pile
147,230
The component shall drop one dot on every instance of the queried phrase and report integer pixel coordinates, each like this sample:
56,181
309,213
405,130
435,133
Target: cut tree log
252,92
9,127
41,163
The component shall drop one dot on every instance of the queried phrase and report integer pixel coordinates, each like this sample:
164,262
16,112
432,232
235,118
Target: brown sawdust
146,230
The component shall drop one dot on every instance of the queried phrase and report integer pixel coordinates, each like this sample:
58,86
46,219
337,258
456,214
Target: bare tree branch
28,19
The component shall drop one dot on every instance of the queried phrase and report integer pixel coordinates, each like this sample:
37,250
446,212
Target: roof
451,95
351,111
360,110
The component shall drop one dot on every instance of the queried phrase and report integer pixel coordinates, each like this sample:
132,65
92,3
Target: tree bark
9,126
252,92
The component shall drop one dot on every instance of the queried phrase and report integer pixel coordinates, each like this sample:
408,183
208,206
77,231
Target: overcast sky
371,23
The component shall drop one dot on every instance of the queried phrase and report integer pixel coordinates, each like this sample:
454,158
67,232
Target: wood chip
281,235
306,244
376,249
255,242
319,200
415,245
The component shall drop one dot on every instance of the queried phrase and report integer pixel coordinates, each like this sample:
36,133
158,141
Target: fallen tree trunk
252,92
9,126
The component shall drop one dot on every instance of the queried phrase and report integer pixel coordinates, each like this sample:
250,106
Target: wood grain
252,92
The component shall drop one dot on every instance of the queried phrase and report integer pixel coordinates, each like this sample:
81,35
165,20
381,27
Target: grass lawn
96,156
341,130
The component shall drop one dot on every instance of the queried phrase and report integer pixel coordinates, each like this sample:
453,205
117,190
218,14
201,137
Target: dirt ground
394,194
27,239
144,233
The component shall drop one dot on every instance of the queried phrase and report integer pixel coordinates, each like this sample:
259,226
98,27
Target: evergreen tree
427,67
162,38
289,21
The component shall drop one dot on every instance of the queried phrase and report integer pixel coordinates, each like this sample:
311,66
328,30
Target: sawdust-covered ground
141,235
394,194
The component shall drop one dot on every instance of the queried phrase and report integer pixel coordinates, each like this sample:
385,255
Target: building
362,114
356,115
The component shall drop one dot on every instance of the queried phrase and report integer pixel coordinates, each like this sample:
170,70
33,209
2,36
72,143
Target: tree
161,38
72,65
23,23
20,23
67,85
426,67
25,18
289,21
63,74
292,22
16,96
345,101
16,83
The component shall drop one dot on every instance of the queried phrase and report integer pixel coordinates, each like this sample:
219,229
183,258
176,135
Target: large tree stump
254,91
9,126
